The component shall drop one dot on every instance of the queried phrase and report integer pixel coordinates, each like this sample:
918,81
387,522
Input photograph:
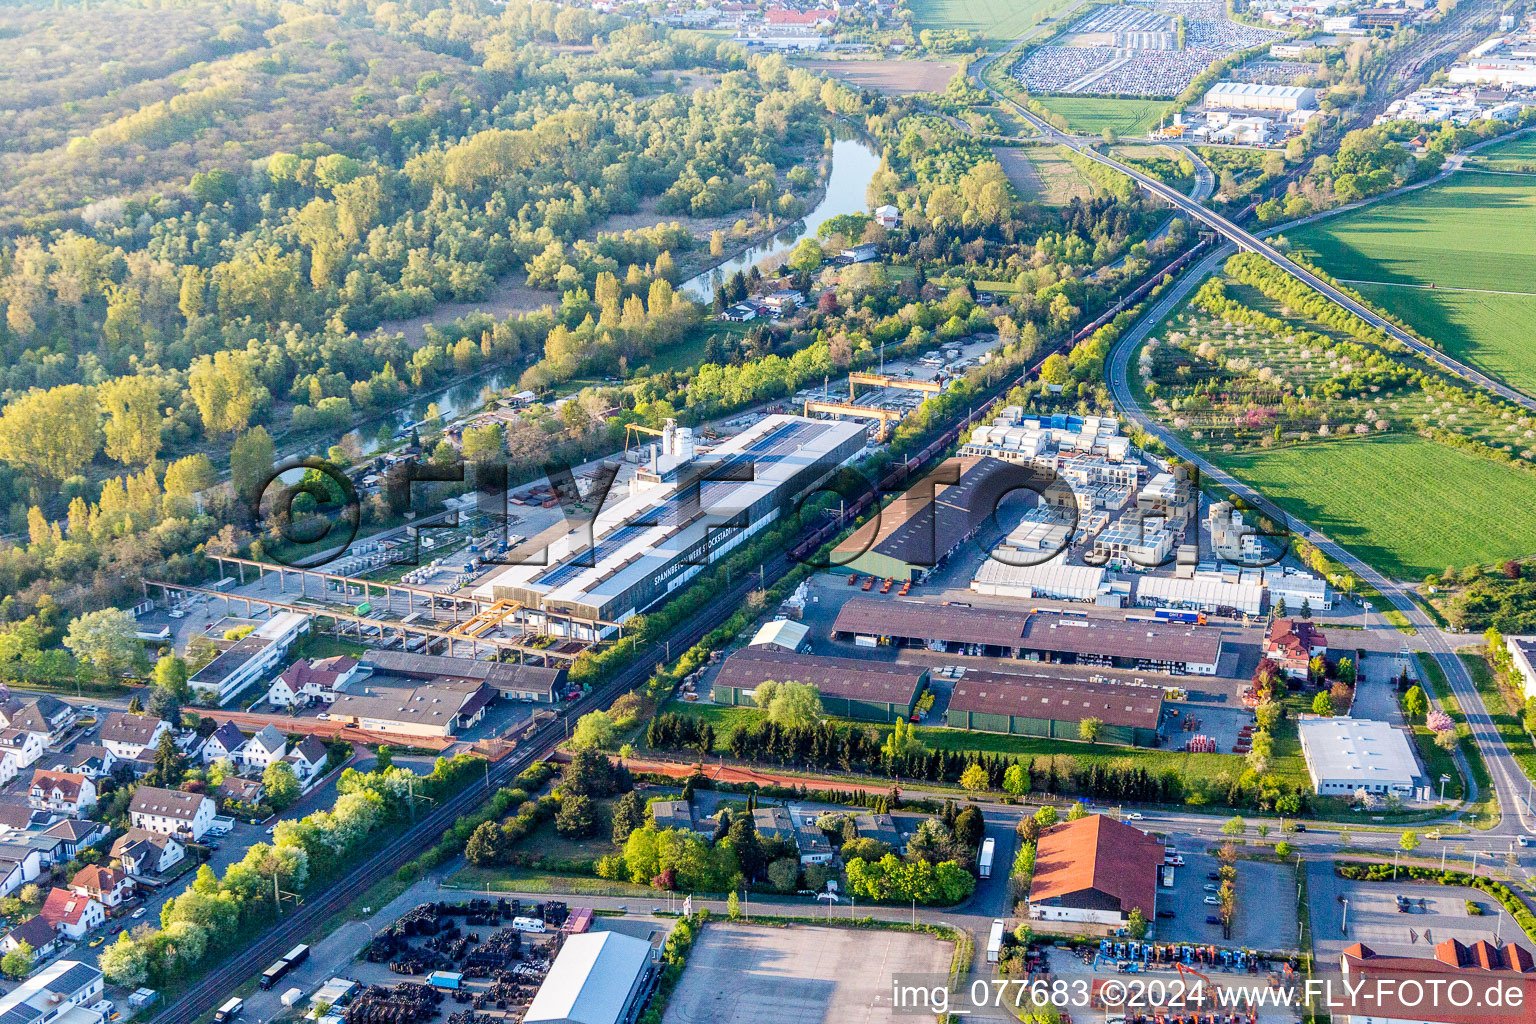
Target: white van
528,924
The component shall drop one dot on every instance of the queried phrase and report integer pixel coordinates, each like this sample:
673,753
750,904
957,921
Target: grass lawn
524,880
997,19
1517,154
1488,330
688,353
1288,764
1043,174
1092,114
1406,505
1486,813
1473,231
1503,711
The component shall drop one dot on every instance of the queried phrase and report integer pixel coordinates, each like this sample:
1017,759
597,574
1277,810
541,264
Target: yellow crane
631,429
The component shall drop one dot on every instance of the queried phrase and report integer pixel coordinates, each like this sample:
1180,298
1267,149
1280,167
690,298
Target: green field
1092,114
1406,505
1485,329
997,19
1517,154
1475,231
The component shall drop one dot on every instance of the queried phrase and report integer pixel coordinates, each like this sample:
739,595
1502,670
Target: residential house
241,790
881,828
16,816
171,812
127,735
681,814
68,793
105,885
72,914
19,750
36,933
50,849
888,217
813,845
307,759
1292,644
783,303
77,834
48,717
863,253
88,759
773,822
262,749
146,854
222,743
307,682
19,864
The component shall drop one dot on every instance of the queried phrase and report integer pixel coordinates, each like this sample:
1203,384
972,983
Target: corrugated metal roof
932,516
590,980
997,693
843,678
929,622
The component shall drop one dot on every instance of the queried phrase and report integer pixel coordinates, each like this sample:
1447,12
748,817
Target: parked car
1134,816
1166,913
139,912
1210,888
1212,901
98,940
1212,919
1213,876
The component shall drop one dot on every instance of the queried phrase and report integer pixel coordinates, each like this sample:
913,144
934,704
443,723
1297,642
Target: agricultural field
996,19
1474,231
1043,174
1473,240
892,77
1329,428
1092,114
1517,154
1489,330
1404,504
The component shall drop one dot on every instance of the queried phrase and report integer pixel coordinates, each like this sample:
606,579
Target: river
854,163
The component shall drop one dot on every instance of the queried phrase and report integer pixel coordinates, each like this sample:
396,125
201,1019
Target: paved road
1509,783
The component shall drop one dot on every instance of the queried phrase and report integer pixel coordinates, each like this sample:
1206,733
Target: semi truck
995,943
984,860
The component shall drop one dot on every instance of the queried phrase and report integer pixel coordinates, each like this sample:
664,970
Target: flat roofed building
873,691
511,681
250,658
598,978
645,546
1095,871
1522,652
1000,576
438,709
61,993
916,532
1349,754
1204,592
1054,709
1255,96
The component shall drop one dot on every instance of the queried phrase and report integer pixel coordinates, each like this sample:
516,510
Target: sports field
1092,114
996,19
1404,504
1476,232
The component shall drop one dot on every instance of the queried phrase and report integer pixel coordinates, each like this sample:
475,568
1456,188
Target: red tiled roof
63,907
96,878
1102,854
1295,637
67,783
1481,964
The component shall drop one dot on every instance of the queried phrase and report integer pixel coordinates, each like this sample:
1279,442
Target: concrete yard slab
1373,917
1266,905
743,974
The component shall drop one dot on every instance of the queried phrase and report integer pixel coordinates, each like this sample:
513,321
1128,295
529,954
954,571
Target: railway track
301,924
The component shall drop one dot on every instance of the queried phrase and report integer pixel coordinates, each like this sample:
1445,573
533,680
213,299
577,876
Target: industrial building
511,681
250,658
1046,440
684,512
1253,96
1296,588
439,709
1095,871
1522,653
1345,755
872,691
1204,591
781,634
1052,708
1056,579
1486,975
916,532
598,978
1038,636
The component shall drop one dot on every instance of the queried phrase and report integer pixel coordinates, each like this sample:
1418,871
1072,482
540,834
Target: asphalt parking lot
1373,917
1266,905
740,974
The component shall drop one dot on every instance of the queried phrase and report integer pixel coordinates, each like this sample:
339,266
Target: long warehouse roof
998,693
845,678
